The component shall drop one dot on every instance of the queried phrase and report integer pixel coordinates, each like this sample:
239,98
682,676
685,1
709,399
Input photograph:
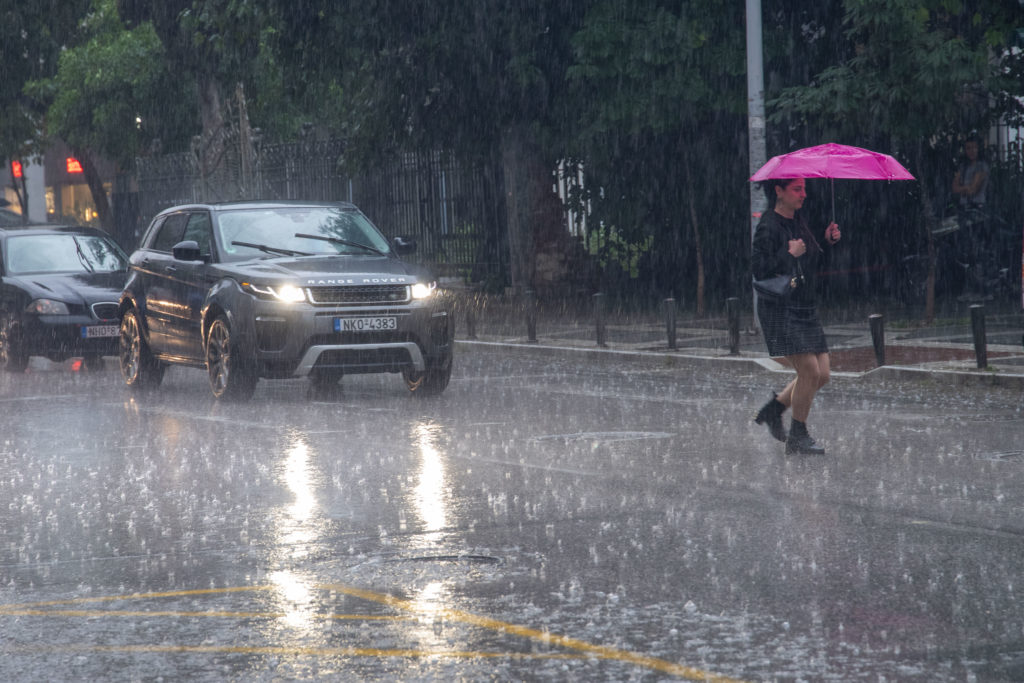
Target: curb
984,378
670,359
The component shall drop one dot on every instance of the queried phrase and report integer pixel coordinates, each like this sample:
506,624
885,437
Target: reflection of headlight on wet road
296,478
429,495
297,600
296,527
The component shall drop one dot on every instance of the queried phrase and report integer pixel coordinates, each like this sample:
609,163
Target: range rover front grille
360,295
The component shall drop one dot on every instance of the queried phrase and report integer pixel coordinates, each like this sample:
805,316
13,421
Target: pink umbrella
833,161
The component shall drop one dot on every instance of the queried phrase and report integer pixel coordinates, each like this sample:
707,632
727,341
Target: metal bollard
978,332
877,323
670,321
531,315
599,319
732,311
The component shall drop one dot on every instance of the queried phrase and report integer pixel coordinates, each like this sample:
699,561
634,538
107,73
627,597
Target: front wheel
139,368
230,376
13,353
429,382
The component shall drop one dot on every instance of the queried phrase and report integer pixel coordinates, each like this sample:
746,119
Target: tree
484,79
223,51
919,74
31,38
106,94
658,88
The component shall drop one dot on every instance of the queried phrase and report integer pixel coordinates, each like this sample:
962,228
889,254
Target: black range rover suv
276,290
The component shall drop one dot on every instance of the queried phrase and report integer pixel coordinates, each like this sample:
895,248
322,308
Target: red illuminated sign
16,169
74,166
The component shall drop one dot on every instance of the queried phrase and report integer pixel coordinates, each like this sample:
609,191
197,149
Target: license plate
93,331
365,324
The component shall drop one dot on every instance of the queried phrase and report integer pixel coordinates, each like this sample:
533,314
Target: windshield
307,231
67,253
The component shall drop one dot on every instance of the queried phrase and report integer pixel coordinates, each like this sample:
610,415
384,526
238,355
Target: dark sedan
59,287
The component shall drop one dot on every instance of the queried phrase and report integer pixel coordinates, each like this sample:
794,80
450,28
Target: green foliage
429,75
610,248
659,93
32,35
102,88
918,70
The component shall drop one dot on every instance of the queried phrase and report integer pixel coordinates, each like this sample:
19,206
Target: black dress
792,326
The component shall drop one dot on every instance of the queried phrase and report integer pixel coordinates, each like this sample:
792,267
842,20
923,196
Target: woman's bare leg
785,397
808,380
822,372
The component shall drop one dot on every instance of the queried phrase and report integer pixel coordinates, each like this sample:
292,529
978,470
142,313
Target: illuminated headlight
47,307
286,293
424,290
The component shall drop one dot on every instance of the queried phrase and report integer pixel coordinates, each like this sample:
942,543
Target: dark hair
976,139
769,186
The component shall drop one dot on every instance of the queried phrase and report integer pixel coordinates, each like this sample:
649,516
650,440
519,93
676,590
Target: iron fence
449,206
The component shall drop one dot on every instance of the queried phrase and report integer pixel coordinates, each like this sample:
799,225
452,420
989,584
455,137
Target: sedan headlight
47,307
424,290
286,293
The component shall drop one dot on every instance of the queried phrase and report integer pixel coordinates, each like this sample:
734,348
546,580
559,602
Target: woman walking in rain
784,245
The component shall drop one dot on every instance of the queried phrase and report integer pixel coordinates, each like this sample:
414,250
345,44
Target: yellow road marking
296,650
140,596
590,649
600,651
93,613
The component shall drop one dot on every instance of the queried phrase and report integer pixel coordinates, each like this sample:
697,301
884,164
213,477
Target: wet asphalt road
544,519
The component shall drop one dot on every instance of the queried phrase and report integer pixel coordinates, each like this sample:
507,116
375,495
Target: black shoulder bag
779,287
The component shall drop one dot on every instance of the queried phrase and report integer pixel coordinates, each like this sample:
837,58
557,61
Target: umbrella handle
833,180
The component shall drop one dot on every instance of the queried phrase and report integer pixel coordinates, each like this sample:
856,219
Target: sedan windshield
65,253
301,231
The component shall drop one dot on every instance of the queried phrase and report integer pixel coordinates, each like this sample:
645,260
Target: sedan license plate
375,324
94,331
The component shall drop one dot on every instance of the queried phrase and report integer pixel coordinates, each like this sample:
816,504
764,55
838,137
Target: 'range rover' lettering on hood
359,280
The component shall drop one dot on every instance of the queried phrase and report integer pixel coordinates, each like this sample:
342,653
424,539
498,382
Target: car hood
332,270
74,288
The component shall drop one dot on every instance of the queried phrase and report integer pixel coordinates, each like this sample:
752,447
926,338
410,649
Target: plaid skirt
790,328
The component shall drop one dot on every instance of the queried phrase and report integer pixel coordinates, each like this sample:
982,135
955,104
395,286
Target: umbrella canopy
833,161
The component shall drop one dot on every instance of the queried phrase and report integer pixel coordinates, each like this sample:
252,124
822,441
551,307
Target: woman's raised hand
832,233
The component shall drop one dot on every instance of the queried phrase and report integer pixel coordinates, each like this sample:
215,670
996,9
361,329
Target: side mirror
187,250
404,245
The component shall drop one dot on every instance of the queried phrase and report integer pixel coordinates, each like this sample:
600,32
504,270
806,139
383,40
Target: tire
231,377
140,370
429,382
13,354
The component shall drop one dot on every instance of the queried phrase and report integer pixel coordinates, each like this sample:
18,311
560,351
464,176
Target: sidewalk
943,351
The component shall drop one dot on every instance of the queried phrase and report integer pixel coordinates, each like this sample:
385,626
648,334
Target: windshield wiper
271,250
82,257
338,240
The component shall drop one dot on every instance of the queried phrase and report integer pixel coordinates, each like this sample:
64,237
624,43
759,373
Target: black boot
800,442
771,415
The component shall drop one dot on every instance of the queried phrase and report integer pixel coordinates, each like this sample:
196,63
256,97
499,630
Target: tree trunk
210,146
99,194
520,160
22,194
929,229
695,226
